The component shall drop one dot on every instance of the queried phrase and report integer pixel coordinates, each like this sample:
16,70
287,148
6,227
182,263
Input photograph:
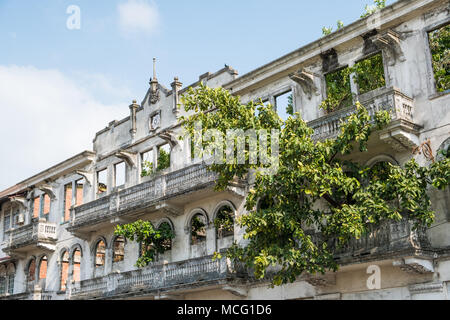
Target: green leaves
153,241
440,51
321,196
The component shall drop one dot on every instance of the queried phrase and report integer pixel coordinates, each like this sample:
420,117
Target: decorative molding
170,137
239,292
389,41
426,288
89,177
414,265
128,157
306,81
48,189
170,209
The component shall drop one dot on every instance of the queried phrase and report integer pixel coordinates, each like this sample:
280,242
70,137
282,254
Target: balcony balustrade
142,197
156,278
401,134
40,234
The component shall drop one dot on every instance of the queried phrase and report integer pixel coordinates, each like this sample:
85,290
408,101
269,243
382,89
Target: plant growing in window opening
198,229
224,222
163,160
339,93
154,241
147,169
440,51
369,74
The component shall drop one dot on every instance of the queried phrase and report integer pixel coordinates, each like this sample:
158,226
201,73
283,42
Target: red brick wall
43,269
36,207
68,201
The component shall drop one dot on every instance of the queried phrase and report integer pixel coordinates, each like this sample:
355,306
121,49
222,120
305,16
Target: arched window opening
100,251
119,249
31,273
10,277
224,222
43,268
64,270
198,229
76,258
166,228
2,279
265,203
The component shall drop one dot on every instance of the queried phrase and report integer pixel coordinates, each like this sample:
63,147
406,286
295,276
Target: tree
153,241
314,187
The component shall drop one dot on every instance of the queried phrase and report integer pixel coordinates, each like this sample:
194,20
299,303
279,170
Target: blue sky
50,73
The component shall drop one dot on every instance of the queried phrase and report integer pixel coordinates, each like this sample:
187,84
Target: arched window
166,227
119,249
76,260
2,279
64,270
31,273
42,271
100,250
198,229
10,277
224,222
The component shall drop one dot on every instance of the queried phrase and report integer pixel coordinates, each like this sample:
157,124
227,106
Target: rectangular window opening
68,195
284,105
120,174
163,157
102,182
79,194
339,91
369,73
439,42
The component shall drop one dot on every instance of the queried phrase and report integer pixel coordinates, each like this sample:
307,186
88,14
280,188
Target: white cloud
138,16
45,118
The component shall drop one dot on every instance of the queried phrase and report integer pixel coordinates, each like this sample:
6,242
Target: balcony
384,241
38,234
402,132
153,280
166,192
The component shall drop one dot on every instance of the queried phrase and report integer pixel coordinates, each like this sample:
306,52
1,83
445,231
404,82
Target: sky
68,68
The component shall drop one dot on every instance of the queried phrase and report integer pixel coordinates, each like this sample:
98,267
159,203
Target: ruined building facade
57,228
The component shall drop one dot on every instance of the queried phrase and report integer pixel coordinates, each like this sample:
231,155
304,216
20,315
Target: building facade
57,228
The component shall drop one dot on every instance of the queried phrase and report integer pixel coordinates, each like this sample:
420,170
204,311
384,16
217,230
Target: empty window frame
147,167
100,250
2,279
339,91
79,184
284,105
163,157
31,273
224,222
46,205
439,42
120,174
6,223
166,228
64,275
42,272
369,73
119,249
76,261
10,278
36,207
198,229
68,195
102,183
